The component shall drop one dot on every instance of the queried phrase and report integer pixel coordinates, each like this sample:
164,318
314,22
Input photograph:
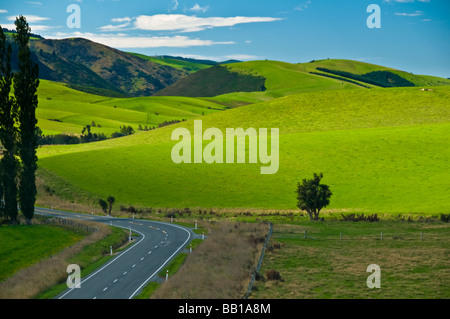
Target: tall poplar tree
8,133
26,82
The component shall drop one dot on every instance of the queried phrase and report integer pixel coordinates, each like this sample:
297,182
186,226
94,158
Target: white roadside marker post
190,249
110,248
195,224
203,235
167,274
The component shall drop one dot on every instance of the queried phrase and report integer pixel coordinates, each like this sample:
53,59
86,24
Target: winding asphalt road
124,276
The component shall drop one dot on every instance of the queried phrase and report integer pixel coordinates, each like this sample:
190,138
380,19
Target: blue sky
414,34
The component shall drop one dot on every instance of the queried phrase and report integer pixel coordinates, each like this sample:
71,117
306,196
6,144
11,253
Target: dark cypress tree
26,82
8,132
2,205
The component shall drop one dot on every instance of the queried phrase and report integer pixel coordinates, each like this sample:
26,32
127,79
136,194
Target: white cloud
197,8
175,5
240,57
3,11
415,14
36,3
303,6
126,22
124,41
119,20
114,28
184,23
34,28
30,18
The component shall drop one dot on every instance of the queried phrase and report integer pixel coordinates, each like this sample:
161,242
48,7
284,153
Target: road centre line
123,253
167,260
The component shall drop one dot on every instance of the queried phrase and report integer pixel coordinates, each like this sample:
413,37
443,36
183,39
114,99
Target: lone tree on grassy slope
111,201
26,82
313,196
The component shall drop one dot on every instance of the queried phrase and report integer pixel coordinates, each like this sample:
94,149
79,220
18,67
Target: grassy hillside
362,68
381,150
283,79
214,81
64,110
42,242
183,64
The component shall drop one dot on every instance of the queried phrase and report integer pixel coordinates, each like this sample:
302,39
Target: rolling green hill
65,110
381,151
214,81
187,64
360,68
283,79
190,66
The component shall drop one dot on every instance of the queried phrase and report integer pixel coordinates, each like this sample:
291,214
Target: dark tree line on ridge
18,161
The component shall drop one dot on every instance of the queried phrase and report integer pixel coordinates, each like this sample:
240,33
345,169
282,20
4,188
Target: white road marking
140,241
115,280
142,258
167,260
123,253
124,273
133,266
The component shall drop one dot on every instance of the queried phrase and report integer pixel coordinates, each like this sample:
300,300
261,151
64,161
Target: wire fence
258,267
71,223
418,235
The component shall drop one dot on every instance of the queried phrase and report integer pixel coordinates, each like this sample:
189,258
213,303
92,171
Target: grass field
23,246
73,110
328,267
381,150
34,258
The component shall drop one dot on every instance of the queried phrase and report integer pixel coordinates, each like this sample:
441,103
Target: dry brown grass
29,282
221,267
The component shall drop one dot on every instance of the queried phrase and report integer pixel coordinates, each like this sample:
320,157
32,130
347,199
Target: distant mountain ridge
81,62
95,68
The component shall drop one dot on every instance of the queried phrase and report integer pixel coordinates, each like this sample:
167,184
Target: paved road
125,275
